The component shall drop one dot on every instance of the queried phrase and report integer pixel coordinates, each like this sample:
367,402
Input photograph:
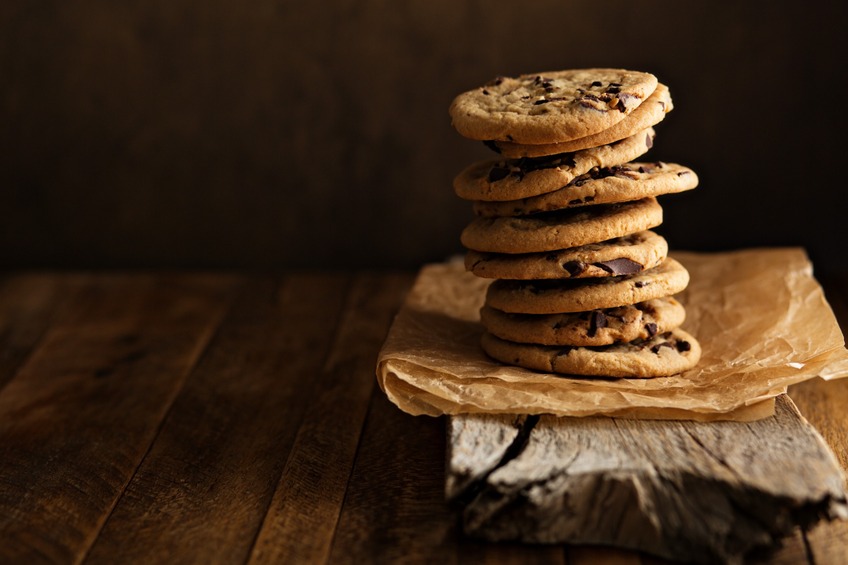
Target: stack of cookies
564,217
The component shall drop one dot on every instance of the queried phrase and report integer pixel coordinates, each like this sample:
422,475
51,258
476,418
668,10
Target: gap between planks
204,488
318,469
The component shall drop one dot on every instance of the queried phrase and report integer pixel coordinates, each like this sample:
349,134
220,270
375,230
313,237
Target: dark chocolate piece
598,320
651,328
491,144
657,347
683,345
574,268
626,101
622,266
498,173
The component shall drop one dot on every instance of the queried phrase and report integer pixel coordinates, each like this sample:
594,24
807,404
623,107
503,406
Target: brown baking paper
760,316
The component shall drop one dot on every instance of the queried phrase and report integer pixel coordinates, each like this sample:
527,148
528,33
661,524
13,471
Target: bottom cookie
663,355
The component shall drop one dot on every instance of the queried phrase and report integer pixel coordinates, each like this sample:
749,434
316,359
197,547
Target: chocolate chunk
485,92
546,100
596,83
525,164
683,345
575,201
492,145
615,84
613,90
626,101
649,141
640,284
622,171
498,173
622,266
657,347
565,350
651,328
598,320
574,268
496,82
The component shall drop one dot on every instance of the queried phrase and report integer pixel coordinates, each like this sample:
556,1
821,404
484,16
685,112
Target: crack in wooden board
680,490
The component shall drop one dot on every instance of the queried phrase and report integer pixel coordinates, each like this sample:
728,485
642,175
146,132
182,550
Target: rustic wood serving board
702,492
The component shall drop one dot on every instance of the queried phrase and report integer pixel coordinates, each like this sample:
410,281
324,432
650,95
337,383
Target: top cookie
649,113
550,107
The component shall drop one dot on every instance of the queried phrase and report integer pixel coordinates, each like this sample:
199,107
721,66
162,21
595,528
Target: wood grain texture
394,508
28,301
77,418
230,418
315,477
822,403
203,489
682,490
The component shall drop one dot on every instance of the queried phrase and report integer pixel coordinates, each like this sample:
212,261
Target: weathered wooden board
700,492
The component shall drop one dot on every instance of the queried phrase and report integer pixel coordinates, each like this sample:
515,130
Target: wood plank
825,405
303,514
395,508
28,302
682,490
202,491
77,418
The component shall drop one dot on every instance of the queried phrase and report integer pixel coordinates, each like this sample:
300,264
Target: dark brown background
186,133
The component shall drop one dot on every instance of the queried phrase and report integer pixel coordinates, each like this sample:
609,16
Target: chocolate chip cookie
580,295
561,229
601,185
619,256
663,355
622,324
550,107
647,114
510,179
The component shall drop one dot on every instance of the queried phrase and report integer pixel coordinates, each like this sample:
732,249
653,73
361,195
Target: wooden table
234,418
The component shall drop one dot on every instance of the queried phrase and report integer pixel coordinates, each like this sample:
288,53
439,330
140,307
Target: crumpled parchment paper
760,316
